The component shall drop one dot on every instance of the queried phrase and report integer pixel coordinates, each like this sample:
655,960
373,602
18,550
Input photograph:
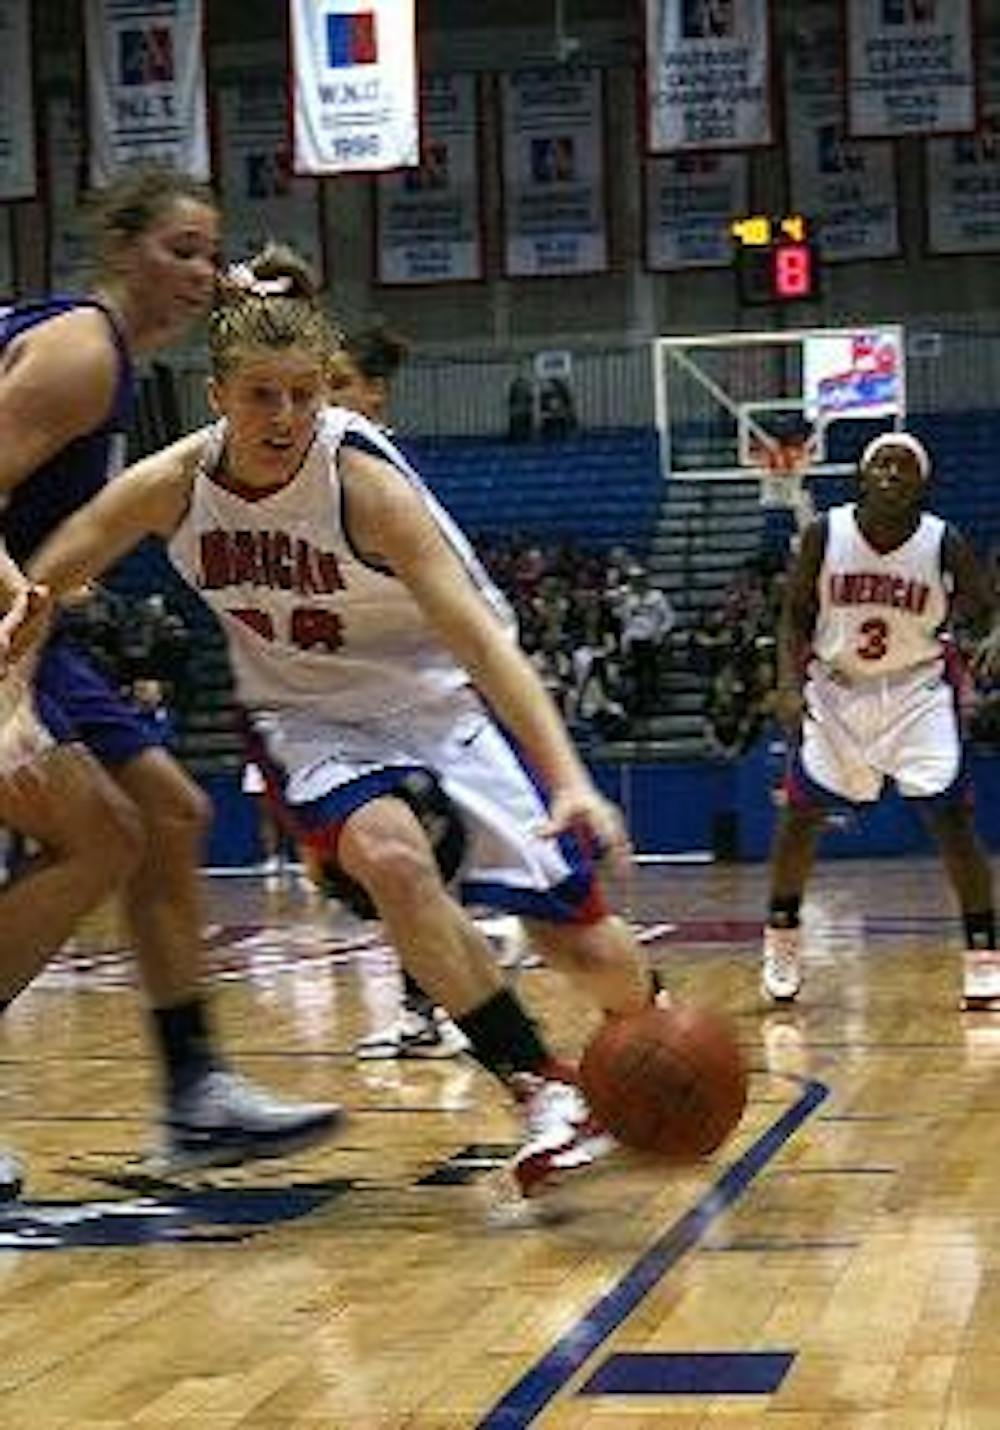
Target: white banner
67,242
708,74
428,221
146,86
846,188
691,199
261,197
963,173
555,210
18,169
910,67
856,374
354,77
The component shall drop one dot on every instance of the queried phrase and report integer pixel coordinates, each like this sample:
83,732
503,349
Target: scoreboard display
776,260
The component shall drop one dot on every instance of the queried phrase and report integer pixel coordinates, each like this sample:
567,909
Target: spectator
647,620
521,409
556,414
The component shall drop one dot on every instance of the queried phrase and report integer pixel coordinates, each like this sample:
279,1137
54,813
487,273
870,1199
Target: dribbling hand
580,810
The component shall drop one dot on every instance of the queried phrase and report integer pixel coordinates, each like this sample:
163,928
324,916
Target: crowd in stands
593,625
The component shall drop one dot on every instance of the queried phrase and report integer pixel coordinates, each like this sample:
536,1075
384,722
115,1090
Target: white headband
905,440
241,275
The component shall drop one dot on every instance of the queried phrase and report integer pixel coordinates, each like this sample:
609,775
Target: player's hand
580,810
986,657
24,624
789,707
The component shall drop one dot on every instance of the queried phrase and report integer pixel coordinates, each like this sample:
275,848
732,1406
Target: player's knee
397,870
181,818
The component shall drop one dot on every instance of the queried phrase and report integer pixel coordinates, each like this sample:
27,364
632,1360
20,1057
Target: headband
241,275
907,441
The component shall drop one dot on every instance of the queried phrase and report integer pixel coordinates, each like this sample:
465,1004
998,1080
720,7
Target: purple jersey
76,473
72,699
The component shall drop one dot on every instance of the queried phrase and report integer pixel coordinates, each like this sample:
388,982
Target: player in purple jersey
81,773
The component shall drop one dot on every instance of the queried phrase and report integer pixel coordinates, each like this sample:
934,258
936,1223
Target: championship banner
708,74
910,67
261,197
146,86
18,169
691,199
428,223
555,211
846,187
354,81
963,173
67,243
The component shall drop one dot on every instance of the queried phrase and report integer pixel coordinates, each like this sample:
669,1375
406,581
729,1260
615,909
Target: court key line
519,1408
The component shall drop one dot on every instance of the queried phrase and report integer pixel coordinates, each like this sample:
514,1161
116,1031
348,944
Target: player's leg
382,846
212,1116
90,838
829,767
602,957
969,873
928,766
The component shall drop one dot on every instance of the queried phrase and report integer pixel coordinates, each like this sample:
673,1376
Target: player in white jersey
415,747
865,668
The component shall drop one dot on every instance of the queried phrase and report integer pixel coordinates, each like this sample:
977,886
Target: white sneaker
380,1045
563,1137
781,973
430,1035
223,1120
981,982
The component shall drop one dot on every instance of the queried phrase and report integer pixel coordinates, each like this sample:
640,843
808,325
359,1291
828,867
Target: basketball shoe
563,1137
981,981
781,971
223,1120
416,1033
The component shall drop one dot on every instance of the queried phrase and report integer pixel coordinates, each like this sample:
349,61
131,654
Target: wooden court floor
836,1265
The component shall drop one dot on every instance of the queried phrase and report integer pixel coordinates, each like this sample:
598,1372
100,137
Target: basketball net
783,464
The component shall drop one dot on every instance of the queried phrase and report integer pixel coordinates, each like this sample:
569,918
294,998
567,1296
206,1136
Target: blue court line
525,1401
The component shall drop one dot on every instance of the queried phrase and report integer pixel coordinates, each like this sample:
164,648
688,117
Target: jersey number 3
309,627
874,642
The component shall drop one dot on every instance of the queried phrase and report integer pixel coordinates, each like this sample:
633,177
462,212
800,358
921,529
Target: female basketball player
862,629
384,685
80,773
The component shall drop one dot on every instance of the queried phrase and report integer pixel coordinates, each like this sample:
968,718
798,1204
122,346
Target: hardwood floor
837,1264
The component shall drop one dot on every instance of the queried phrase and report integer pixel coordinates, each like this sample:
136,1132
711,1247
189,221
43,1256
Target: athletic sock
414,996
504,1040
185,1042
783,913
980,930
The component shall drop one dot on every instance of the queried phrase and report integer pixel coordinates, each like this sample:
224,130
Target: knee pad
439,819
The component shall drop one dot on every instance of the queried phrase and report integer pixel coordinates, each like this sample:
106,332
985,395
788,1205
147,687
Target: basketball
667,1080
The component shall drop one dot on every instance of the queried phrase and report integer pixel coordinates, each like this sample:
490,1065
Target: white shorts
327,770
23,737
904,728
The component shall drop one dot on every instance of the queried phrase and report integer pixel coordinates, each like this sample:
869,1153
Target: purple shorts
75,702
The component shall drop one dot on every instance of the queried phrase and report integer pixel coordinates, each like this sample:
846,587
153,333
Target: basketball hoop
783,463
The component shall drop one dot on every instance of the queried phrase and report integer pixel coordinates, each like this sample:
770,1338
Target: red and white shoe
562,1136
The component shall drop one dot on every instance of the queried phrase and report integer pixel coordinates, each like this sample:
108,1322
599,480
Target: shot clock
776,261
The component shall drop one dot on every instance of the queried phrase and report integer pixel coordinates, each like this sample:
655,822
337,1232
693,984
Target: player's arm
797,623
974,599
147,499
57,383
390,523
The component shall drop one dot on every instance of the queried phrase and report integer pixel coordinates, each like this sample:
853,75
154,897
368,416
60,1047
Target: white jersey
880,613
309,623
